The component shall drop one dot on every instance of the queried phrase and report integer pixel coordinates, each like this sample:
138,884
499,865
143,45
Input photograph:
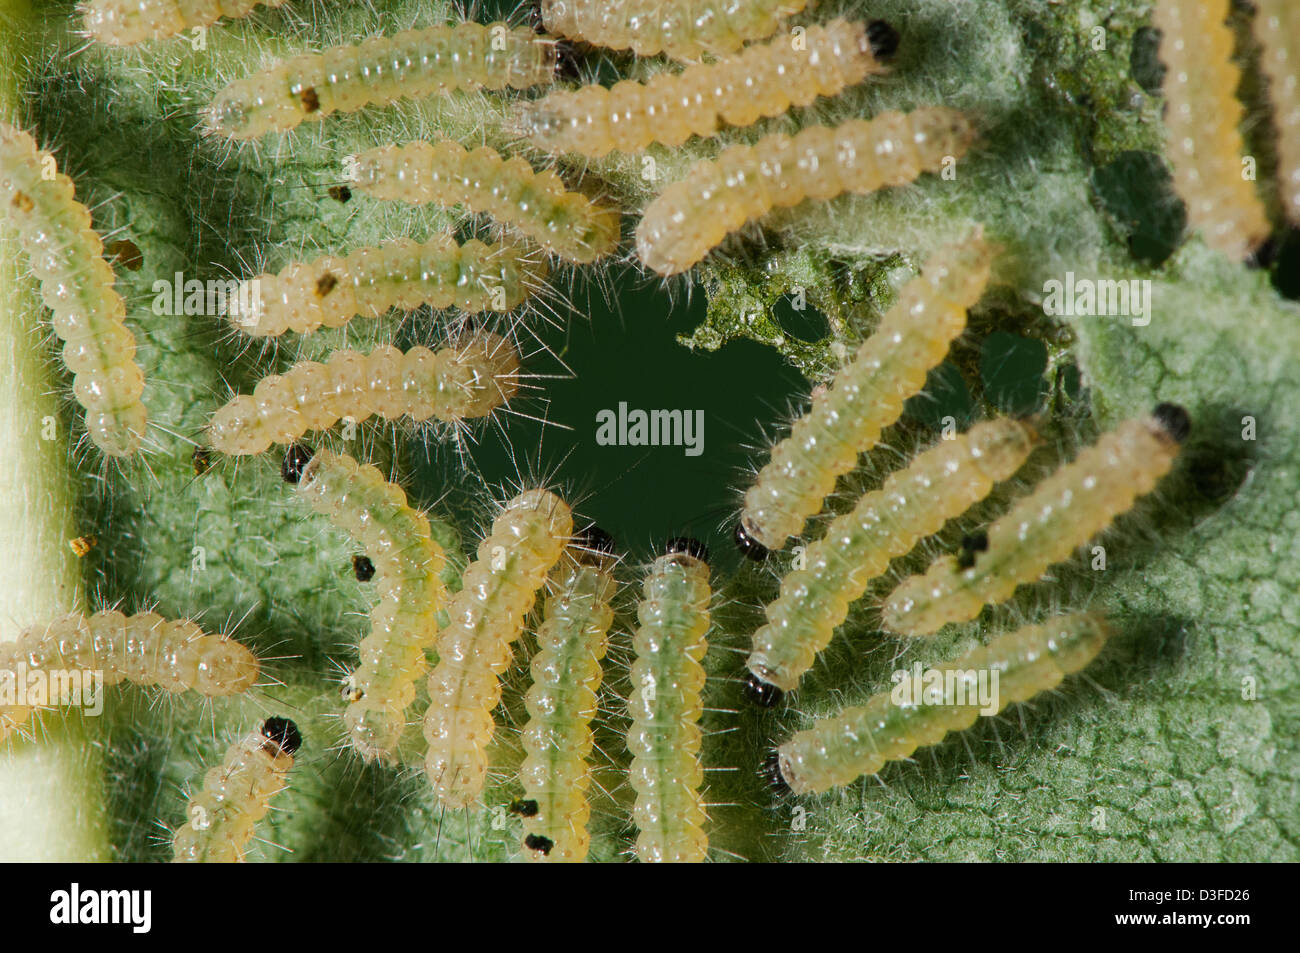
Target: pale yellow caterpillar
454,384
126,22
866,395
145,649
562,702
665,707
939,484
1063,512
1202,117
404,274
236,794
405,565
67,256
862,740
536,204
379,71
1277,27
474,648
763,80
682,29
718,196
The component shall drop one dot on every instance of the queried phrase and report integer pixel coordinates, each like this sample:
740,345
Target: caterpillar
379,71
236,795
562,702
681,29
486,617
718,196
939,484
536,204
456,383
406,564
763,80
665,707
67,257
862,740
1065,510
1277,27
866,395
127,22
1202,117
145,649
405,274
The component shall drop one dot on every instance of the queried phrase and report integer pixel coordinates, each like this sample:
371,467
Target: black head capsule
537,843
1264,254
593,542
534,16
1176,421
761,693
340,193
524,807
749,547
688,545
882,38
567,66
296,459
970,545
363,568
283,733
772,774
202,460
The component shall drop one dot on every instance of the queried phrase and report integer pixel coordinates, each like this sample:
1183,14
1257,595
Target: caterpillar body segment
220,818
562,703
682,29
867,394
486,618
379,71
1063,512
718,196
145,649
862,740
454,384
1202,120
1277,27
665,706
67,257
406,565
127,22
762,80
404,274
939,484
536,204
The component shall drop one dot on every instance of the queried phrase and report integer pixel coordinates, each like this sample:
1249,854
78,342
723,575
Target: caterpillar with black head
67,256
379,71
127,22
866,395
863,739
682,29
454,384
717,196
145,649
405,563
665,706
536,204
1063,512
1202,117
1277,27
486,618
763,80
562,701
220,818
403,274
939,484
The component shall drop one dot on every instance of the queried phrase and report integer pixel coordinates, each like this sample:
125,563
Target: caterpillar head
688,545
882,38
1175,421
282,733
771,772
295,462
749,547
761,693
363,568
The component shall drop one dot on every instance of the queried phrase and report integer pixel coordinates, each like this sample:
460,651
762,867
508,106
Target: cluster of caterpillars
741,69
